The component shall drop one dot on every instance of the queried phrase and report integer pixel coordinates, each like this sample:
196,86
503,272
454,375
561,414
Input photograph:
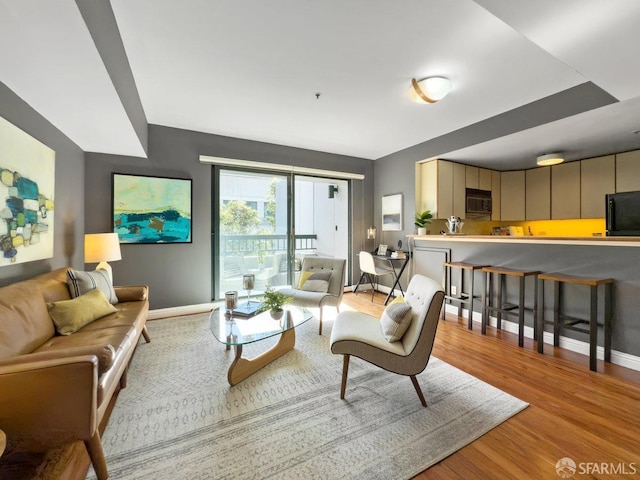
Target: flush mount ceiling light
549,159
430,89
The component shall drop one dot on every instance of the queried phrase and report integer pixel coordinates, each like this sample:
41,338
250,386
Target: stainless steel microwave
478,203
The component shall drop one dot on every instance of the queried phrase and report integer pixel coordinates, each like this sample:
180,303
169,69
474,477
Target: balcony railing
231,245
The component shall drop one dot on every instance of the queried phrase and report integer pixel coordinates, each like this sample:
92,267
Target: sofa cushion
395,321
71,315
316,282
25,325
80,282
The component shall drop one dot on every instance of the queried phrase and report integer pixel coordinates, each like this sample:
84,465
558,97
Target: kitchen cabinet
538,193
442,188
495,195
484,179
597,178
512,195
627,171
471,176
459,190
565,191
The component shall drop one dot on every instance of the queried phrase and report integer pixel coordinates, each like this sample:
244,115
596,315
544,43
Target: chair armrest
48,402
132,293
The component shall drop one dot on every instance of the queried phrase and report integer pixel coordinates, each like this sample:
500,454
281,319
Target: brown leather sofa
56,389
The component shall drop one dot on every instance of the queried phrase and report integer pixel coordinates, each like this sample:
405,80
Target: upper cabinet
565,191
512,195
471,174
628,171
443,190
496,190
597,178
484,179
538,193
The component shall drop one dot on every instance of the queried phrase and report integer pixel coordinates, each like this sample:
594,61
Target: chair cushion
395,321
81,282
69,316
316,282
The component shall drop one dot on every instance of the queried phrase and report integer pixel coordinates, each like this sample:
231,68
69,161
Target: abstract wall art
149,209
27,181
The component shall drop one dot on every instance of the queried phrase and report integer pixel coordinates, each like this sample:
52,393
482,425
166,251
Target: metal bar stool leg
607,322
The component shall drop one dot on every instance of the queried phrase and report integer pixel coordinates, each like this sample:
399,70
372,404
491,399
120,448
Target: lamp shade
101,247
371,232
430,90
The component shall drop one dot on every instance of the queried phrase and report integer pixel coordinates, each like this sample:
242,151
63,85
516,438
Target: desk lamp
102,248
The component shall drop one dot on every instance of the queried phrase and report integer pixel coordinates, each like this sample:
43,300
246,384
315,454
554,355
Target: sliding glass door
255,215
252,229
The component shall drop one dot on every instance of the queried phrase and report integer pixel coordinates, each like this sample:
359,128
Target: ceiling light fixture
430,89
549,159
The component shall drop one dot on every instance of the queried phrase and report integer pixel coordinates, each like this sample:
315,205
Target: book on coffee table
247,309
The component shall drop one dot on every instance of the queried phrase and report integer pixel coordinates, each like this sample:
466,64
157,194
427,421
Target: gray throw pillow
317,282
395,321
82,282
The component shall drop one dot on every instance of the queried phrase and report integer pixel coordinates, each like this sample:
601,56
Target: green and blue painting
151,209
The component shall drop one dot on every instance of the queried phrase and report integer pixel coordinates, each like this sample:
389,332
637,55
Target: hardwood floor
586,416
573,412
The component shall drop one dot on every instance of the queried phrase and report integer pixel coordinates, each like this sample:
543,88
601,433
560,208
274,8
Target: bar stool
462,297
561,320
504,308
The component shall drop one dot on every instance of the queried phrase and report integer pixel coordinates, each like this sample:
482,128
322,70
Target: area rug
179,418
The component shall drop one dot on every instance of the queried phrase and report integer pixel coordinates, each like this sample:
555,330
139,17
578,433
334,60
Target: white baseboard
619,358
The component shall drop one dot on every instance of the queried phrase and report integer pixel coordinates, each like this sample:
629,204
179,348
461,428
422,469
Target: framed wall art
27,184
148,209
392,212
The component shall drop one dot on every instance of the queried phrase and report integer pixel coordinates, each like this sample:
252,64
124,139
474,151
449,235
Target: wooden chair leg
345,370
94,449
145,334
416,385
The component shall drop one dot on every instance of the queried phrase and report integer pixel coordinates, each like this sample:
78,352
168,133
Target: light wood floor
573,412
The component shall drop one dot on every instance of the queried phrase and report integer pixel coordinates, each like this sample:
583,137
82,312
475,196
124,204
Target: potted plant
273,301
423,219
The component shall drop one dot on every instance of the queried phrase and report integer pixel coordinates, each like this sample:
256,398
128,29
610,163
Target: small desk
393,262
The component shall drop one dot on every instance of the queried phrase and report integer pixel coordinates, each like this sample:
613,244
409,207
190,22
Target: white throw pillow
81,282
395,321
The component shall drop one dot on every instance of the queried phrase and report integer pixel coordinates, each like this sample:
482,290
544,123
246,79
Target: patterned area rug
178,417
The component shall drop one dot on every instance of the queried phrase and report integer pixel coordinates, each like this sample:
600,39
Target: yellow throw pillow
398,299
304,276
69,316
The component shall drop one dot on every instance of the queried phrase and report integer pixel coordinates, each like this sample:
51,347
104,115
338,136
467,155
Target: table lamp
102,248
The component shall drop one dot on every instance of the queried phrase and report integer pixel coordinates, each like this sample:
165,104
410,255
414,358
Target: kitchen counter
539,240
580,256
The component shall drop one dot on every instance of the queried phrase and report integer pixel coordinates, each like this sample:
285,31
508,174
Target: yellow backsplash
549,228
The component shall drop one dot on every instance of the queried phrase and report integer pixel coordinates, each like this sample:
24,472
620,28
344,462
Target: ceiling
253,69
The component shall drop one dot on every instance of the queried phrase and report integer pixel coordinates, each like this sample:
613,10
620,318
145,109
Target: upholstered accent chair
321,284
364,336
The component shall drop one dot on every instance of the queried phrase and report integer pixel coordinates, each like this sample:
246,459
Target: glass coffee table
235,331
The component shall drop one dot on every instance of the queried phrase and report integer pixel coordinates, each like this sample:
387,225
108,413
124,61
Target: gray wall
180,274
69,194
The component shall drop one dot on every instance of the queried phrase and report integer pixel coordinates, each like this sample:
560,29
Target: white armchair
305,296
359,334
